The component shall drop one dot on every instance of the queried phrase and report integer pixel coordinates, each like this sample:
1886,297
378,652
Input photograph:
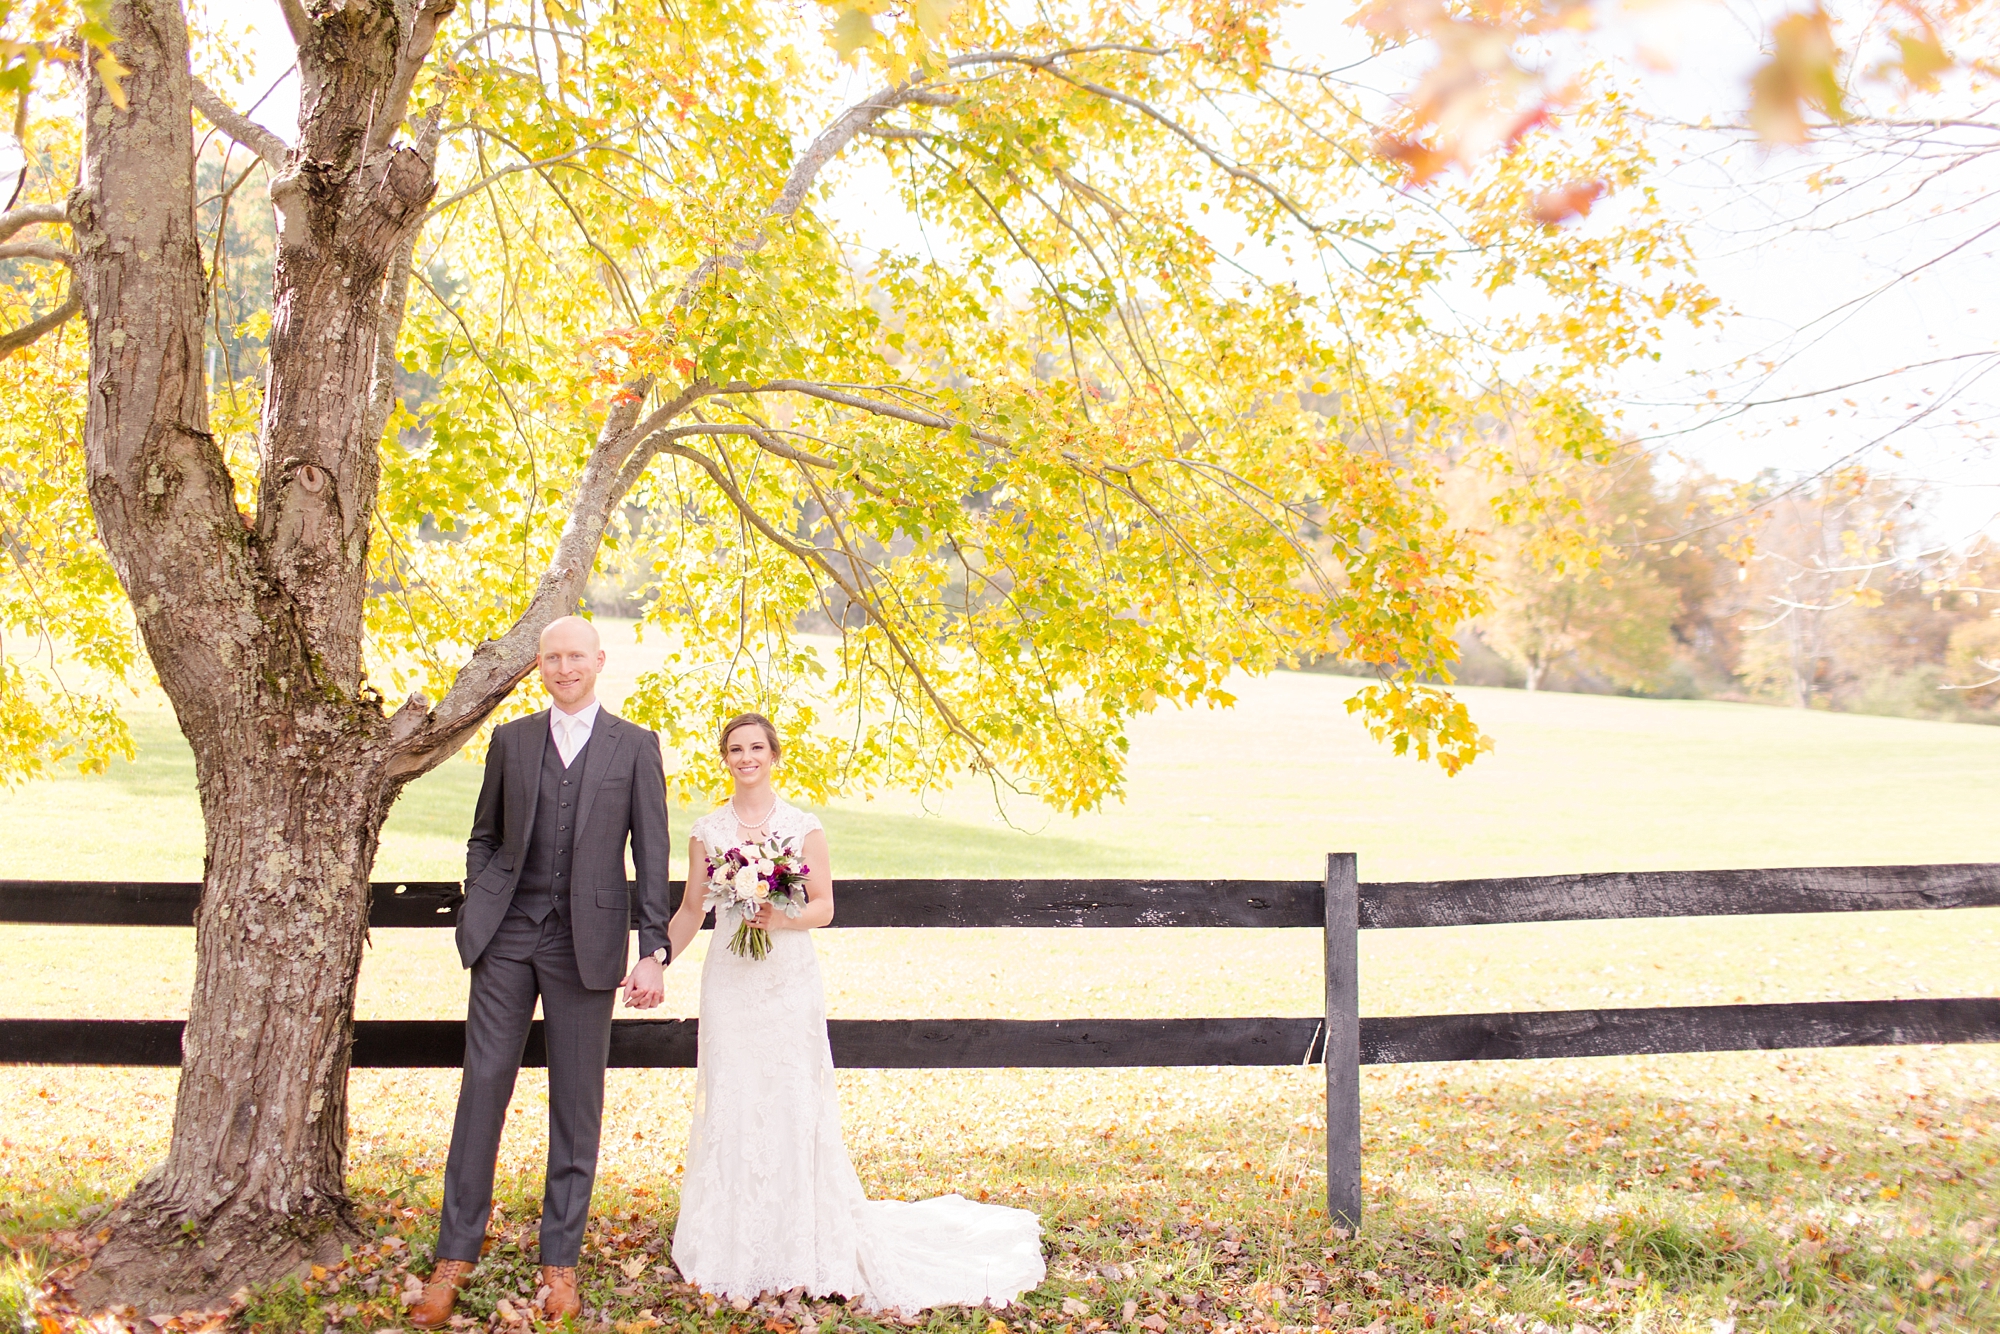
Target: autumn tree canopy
1064,362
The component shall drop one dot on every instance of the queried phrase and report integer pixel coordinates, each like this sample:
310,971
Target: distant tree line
1827,593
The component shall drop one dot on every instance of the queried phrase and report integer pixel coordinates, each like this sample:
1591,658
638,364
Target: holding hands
646,984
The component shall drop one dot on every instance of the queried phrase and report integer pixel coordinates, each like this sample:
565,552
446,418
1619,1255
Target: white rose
750,886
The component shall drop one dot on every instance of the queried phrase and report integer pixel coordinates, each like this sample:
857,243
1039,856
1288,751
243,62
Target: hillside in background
1574,783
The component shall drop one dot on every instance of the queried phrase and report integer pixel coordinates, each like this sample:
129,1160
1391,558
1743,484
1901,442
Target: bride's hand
770,918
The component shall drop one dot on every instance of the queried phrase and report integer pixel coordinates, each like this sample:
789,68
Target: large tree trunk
254,626
253,1183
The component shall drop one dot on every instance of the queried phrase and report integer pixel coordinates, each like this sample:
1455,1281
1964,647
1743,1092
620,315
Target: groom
546,915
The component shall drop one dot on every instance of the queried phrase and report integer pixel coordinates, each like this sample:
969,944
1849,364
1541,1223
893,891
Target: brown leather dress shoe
434,1308
559,1299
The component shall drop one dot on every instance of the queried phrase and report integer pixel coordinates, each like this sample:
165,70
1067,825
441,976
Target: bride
770,1201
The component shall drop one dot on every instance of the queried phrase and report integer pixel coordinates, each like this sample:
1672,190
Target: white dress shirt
571,730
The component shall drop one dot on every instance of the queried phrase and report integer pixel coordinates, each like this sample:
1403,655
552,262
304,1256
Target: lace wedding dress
770,1201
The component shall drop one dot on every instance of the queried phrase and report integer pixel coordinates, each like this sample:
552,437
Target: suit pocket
613,898
492,879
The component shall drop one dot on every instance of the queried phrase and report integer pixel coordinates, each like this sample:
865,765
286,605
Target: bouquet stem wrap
751,941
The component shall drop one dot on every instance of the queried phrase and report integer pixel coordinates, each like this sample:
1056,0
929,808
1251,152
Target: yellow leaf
851,31
931,16
1920,60
109,70
1801,72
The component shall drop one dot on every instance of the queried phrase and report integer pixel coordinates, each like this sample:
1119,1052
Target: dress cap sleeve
795,823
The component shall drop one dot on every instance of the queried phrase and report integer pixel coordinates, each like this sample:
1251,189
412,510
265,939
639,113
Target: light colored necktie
566,739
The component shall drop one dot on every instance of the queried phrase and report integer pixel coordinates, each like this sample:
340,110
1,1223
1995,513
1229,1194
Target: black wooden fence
1342,1039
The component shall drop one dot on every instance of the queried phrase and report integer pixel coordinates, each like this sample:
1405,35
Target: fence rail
1341,1039
1177,903
957,1044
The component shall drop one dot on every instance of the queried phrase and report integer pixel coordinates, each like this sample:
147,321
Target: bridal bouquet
748,877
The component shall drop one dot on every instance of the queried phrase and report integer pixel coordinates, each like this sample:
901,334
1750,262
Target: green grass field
1576,782
1789,1191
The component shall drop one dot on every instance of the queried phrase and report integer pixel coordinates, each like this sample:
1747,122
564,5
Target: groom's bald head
571,658
563,628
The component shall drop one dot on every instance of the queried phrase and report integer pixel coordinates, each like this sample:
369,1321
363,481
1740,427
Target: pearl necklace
759,824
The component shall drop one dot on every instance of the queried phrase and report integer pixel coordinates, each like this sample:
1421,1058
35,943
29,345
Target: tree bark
253,623
253,1183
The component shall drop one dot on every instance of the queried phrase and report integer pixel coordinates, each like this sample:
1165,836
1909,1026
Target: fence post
1343,1043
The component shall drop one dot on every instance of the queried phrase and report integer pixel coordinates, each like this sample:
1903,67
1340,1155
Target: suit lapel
604,739
528,770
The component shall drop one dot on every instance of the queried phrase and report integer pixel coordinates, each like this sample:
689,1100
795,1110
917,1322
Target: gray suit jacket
623,796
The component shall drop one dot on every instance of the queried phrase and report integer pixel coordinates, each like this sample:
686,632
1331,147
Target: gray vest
548,870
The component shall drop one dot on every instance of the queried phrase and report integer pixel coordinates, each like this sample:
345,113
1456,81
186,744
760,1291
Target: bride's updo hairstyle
751,720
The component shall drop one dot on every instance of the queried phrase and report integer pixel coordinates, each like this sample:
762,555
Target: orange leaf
1572,200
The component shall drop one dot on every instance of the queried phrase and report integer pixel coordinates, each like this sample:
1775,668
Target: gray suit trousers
527,959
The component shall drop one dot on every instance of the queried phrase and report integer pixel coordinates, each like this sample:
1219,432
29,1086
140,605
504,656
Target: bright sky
1821,306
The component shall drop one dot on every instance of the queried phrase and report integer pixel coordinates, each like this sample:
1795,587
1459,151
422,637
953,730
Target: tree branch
1102,476
479,35
14,340
264,143
846,398
419,36
297,21
44,250
610,261
764,439
1229,167
485,181
1983,665
815,556
421,736
396,301
651,446
29,215
823,149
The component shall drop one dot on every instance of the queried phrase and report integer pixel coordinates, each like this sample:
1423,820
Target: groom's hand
646,985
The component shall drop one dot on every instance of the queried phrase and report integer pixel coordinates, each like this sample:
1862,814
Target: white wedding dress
770,1201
